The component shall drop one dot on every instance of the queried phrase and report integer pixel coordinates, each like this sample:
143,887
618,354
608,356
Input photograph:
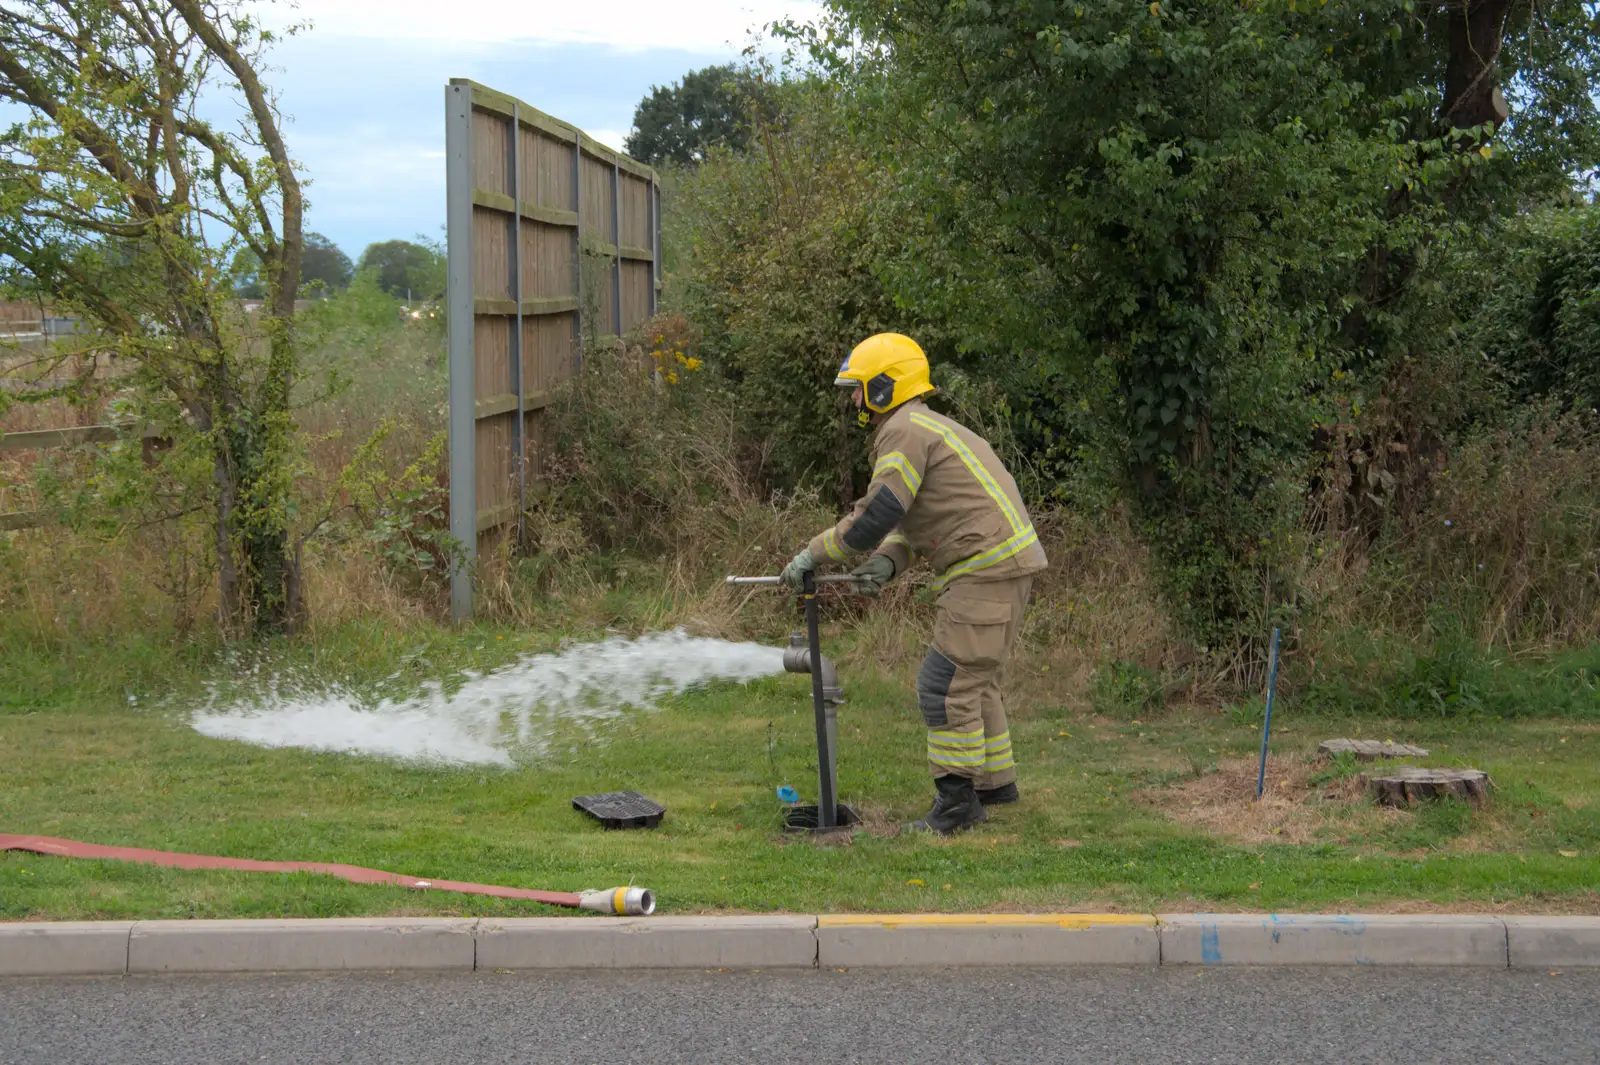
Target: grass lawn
1118,813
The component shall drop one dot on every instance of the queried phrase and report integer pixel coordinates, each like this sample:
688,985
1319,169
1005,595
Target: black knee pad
933,687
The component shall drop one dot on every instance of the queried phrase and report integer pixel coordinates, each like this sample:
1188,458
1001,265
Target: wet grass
1119,812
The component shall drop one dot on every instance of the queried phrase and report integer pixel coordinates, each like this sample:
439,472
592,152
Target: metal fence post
616,233
655,247
519,430
459,308
577,250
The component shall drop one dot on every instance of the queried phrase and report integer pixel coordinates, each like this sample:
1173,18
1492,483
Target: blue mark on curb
1210,950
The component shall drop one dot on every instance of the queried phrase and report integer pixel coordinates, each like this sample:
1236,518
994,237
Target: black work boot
956,808
999,796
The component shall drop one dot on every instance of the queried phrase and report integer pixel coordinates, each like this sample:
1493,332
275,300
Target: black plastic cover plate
621,809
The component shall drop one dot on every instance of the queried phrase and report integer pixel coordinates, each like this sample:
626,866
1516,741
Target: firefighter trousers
958,687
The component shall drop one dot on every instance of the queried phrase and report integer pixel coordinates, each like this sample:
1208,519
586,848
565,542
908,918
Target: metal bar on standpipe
1266,724
616,235
826,578
827,802
519,432
463,425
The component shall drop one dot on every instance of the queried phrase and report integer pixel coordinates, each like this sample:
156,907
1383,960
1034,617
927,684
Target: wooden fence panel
545,226
597,214
636,214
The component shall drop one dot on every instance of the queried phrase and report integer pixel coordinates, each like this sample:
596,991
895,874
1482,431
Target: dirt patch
877,820
1292,809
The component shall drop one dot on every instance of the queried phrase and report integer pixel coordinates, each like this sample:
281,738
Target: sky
363,87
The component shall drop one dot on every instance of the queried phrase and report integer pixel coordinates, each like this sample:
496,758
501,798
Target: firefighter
939,492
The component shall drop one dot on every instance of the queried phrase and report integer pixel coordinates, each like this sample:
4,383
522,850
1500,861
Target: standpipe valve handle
827,578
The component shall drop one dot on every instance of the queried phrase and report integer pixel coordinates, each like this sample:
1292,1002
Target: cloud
611,138
363,89
693,25
366,116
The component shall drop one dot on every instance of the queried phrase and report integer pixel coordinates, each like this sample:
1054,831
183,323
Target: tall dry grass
1505,541
650,495
114,558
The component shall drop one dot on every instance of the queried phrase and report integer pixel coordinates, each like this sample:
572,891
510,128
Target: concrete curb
849,941
304,945
1329,939
1553,942
648,943
114,948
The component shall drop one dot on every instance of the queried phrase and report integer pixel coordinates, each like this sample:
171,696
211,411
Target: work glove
794,574
872,575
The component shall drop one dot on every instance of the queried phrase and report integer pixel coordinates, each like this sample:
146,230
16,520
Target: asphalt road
943,1017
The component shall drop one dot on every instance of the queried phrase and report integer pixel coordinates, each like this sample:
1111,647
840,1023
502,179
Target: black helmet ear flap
880,392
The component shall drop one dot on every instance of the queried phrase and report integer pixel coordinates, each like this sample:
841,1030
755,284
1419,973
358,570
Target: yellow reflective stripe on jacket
994,556
897,461
977,469
897,537
830,547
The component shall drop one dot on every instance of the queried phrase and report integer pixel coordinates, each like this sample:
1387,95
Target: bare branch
111,229
266,122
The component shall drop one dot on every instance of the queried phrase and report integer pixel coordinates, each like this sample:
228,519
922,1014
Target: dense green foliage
406,270
323,267
1225,261
784,244
1542,326
710,107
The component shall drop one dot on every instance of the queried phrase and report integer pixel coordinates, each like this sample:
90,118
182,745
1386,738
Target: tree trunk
1471,95
273,564
1403,787
231,598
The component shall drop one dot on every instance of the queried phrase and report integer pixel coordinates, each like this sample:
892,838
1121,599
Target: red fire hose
623,900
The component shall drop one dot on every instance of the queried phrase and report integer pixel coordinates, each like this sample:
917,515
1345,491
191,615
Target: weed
1342,766
1126,689
1451,681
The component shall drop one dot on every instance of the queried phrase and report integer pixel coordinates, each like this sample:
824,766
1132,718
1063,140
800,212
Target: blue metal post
1266,725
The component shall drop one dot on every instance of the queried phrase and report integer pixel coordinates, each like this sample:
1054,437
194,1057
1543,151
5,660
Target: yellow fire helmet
889,367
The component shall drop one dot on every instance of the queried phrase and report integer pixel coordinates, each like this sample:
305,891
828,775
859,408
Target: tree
406,270
323,267
244,275
679,123
1194,213
122,200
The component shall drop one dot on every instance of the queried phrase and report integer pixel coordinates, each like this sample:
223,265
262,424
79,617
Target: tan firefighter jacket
938,491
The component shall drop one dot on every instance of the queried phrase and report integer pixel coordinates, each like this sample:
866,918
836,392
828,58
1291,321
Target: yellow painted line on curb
1074,921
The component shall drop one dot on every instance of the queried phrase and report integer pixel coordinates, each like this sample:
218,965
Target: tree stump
1370,750
1403,787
